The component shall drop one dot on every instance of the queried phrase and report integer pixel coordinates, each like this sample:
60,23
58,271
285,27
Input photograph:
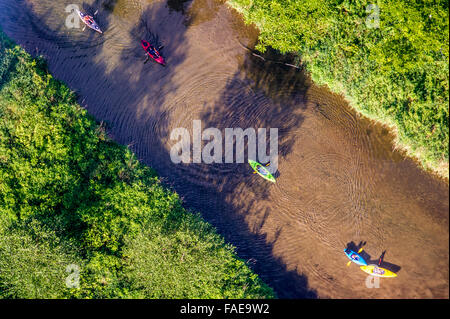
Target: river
339,178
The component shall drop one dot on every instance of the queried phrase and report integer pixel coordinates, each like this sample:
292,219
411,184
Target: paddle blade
95,12
254,172
360,250
161,47
267,164
348,264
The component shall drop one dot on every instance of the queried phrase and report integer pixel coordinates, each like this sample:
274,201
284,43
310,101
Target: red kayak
153,53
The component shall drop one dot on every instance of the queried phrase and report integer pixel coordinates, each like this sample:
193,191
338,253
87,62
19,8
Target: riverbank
81,217
390,62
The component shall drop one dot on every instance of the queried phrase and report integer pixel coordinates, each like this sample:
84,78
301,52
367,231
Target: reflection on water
338,179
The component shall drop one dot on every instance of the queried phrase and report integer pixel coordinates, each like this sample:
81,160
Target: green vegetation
396,72
69,195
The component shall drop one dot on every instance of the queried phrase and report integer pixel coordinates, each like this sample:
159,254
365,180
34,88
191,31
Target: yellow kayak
374,270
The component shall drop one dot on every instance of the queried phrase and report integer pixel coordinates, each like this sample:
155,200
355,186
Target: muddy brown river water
339,181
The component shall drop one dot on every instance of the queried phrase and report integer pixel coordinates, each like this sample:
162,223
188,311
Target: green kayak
261,170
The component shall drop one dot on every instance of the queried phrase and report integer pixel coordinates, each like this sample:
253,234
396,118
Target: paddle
381,258
96,12
148,58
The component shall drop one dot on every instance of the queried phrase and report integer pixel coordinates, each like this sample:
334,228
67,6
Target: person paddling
262,171
88,20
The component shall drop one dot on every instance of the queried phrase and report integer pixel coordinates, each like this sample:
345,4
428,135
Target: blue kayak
355,257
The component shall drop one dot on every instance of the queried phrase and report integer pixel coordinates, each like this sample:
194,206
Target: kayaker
261,170
152,51
88,20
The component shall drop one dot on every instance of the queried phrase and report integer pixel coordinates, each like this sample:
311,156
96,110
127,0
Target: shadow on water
382,263
108,5
273,98
116,95
178,5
